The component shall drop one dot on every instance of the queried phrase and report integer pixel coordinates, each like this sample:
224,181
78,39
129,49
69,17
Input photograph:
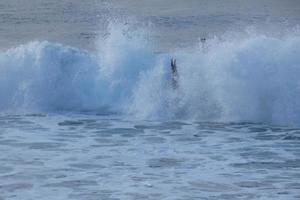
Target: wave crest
254,78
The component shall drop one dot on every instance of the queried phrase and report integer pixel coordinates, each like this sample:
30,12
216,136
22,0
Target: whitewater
89,111
253,78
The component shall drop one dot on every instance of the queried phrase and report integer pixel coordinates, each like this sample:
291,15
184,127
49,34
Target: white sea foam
249,78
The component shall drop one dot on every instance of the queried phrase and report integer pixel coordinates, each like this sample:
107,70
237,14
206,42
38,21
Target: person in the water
174,73
203,42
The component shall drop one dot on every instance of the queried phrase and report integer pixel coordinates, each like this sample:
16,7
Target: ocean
89,111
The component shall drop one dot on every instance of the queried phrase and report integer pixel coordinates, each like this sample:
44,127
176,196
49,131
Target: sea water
88,111
83,156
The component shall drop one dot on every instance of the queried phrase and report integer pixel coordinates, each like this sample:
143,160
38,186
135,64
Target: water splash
251,78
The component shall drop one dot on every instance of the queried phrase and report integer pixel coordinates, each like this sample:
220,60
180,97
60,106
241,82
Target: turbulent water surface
108,157
88,110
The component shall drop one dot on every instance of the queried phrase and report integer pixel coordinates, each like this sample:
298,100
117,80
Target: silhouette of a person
174,73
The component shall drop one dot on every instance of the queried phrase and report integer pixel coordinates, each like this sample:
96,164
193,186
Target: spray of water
249,78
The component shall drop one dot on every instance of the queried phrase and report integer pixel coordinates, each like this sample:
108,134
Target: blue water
88,110
251,78
68,156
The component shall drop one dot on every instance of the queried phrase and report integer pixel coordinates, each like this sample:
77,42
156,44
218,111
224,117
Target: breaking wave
251,78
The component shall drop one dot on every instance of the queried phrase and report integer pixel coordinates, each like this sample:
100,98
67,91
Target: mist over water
237,77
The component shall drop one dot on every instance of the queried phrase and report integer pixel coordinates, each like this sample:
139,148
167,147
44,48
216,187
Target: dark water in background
142,139
173,23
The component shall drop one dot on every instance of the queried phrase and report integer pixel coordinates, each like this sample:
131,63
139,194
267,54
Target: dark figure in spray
174,73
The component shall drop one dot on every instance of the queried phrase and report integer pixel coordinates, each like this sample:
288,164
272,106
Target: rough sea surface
88,110
67,156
